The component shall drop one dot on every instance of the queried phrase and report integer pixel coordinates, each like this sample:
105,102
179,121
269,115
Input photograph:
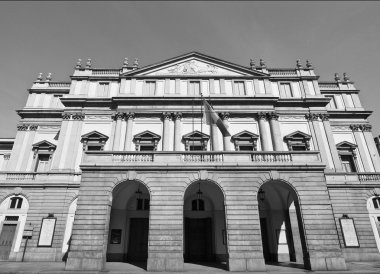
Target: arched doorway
205,224
282,232
13,214
129,224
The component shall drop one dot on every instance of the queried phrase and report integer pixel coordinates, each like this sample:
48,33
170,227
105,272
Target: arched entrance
281,225
373,206
129,224
205,224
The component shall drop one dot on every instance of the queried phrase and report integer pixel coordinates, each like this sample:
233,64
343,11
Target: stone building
118,165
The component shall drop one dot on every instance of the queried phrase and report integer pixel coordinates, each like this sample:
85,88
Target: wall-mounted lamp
261,195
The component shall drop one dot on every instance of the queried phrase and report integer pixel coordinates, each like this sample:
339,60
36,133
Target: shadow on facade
205,240
129,224
282,231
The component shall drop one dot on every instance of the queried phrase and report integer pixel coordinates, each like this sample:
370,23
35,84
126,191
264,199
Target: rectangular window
146,147
246,148
195,148
348,163
142,204
239,88
103,89
286,91
43,162
150,88
194,88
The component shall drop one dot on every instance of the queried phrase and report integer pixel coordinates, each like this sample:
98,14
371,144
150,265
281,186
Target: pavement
189,268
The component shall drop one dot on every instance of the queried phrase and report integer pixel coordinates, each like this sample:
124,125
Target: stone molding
22,127
7,156
224,115
78,116
166,116
129,116
312,116
262,116
33,127
324,116
362,127
177,116
272,116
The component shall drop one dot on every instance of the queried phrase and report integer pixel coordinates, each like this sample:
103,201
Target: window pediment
146,141
195,140
94,136
44,146
298,135
346,146
298,140
245,140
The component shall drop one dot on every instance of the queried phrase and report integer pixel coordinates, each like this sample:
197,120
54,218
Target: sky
342,36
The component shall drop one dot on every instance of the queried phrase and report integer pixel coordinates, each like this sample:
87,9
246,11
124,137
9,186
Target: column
214,137
331,143
366,129
275,131
116,141
74,141
261,117
16,151
166,137
177,131
59,154
129,117
226,139
28,148
361,147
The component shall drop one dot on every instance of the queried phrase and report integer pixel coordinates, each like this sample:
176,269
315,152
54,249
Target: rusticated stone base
329,264
243,265
165,264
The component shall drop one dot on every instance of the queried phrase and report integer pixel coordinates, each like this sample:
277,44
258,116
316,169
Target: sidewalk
119,268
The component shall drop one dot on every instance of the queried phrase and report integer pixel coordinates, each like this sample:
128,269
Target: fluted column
275,131
366,129
261,117
177,130
166,132
331,142
116,141
128,134
368,167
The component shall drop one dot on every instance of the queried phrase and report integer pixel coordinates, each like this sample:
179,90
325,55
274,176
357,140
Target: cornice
40,113
359,114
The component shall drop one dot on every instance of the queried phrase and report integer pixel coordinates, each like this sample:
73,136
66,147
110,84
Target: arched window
15,202
198,205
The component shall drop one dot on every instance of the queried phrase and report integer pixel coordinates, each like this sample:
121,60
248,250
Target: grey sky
51,36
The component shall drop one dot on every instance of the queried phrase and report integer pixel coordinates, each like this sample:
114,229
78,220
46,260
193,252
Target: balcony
206,158
50,176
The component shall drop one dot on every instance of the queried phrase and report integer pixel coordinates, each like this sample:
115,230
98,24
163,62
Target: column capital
23,127
129,116
355,127
273,116
7,156
33,127
66,116
78,116
118,116
366,128
224,115
312,116
166,116
262,115
324,116
177,115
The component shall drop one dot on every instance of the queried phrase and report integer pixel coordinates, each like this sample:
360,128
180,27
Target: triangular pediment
297,135
196,135
94,135
245,135
44,145
146,135
346,145
194,64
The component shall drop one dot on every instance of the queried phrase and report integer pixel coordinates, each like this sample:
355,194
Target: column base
165,264
244,264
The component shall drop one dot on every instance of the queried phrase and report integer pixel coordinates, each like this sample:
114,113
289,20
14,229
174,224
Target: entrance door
138,239
6,240
198,240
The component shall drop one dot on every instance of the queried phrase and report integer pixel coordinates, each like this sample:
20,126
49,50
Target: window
347,156
94,141
142,204
43,162
376,202
332,103
198,205
239,88
146,141
245,141
150,88
103,89
16,202
194,88
286,91
43,152
348,163
298,141
195,141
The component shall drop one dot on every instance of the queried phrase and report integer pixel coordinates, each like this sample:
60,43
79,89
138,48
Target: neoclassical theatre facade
118,165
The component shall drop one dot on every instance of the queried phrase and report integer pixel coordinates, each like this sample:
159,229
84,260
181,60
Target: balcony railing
40,176
369,177
206,157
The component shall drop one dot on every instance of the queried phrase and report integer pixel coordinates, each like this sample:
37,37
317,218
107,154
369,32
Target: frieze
292,118
340,128
97,117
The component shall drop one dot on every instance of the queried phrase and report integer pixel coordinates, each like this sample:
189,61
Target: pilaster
264,140
28,147
74,140
129,117
177,131
16,155
58,154
166,117
366,129
275,131
368,167
226,139
119,116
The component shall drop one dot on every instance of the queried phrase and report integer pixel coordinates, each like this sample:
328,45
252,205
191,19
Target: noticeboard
350,236
47,232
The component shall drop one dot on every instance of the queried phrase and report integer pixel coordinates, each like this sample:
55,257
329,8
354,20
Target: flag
211,117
